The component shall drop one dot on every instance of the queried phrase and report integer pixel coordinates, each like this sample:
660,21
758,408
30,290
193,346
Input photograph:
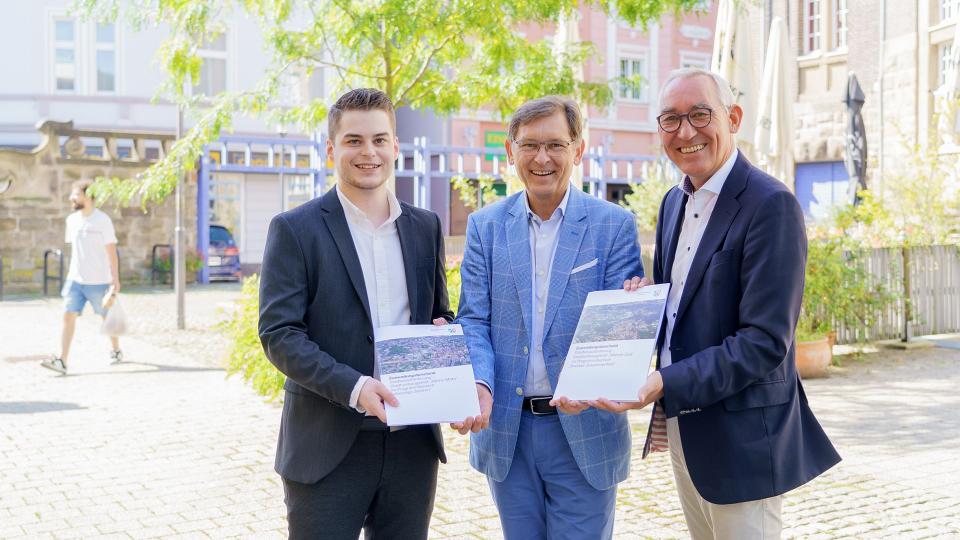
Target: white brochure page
613,344
428,369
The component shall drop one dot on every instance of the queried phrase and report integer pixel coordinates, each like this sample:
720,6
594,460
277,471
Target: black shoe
116,356
56,364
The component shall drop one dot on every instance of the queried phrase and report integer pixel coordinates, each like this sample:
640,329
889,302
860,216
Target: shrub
246,354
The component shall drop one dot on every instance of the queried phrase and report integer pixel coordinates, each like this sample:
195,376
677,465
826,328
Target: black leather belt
539,405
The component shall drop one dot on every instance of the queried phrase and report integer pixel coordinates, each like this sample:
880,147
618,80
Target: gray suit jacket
315,324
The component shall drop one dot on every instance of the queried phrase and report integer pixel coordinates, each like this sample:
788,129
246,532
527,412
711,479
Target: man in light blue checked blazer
530,260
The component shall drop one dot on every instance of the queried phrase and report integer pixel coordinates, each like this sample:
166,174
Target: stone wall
33,212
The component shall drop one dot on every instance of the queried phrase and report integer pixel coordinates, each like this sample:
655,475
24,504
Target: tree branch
424,67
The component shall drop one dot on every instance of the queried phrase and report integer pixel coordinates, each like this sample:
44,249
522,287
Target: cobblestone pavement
166,446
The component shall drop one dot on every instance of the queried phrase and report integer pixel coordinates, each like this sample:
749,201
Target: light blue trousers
545,496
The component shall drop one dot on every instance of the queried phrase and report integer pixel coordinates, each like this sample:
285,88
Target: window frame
814,34
631,56
55,45
205,54
97,47
839,27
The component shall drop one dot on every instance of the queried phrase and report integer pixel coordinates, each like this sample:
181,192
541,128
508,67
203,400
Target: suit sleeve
475,306
772,271
441,300
283,331
624,261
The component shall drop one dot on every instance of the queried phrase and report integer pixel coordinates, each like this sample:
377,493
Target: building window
65,55
634,81
811,26
839,24
949,9
106,57
213,71
944,62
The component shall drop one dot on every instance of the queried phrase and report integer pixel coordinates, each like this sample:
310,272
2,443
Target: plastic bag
115,323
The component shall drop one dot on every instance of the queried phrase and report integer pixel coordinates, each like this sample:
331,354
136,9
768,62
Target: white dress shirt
381,259
696,216
543,245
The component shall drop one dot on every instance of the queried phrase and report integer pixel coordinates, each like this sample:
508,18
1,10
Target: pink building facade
628,125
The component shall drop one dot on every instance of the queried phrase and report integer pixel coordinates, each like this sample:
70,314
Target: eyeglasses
699,117
532,148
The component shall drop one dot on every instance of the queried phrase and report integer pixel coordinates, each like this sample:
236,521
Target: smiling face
364,149
699,152
545,175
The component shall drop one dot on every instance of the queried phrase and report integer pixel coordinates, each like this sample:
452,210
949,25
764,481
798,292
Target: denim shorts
75,295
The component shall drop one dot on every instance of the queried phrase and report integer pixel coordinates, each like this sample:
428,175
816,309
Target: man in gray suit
334,269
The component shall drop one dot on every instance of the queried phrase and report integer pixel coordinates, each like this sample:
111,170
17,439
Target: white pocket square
584,266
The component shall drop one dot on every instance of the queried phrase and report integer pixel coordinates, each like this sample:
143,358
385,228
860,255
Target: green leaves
444,55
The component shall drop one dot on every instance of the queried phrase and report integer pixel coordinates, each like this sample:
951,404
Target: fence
934,283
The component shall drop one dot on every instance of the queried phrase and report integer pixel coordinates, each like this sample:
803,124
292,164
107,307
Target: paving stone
166,446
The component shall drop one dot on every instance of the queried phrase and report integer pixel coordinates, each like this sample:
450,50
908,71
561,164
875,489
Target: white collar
715,183
562,207
355,213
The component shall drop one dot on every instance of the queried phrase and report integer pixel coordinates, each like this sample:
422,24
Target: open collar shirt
696,216
381,259
543,245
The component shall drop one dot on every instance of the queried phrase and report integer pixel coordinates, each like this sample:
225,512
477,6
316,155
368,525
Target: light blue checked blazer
495,311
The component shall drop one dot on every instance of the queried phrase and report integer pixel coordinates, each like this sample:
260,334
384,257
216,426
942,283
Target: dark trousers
385,486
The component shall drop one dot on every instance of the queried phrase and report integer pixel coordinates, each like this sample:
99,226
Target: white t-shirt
89,236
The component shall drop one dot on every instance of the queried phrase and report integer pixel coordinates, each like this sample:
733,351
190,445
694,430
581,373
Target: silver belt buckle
539,399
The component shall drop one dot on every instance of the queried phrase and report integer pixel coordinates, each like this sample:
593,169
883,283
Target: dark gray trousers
385,486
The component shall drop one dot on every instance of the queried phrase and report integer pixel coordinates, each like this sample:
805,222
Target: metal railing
46,270
154,269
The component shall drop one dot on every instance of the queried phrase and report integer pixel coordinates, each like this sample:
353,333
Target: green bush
246,354
246,357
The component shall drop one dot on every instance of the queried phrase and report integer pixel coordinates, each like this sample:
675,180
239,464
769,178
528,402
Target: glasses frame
687,116
542,145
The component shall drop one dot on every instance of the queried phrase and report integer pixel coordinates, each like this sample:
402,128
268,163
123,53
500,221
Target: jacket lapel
336,223
518,246
570,236
724,211
408,246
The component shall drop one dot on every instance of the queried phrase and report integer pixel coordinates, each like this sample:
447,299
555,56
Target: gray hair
724,91
544,107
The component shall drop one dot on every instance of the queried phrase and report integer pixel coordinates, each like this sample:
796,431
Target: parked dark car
223,256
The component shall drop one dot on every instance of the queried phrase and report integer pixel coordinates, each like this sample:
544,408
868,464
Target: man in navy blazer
731,243
334,270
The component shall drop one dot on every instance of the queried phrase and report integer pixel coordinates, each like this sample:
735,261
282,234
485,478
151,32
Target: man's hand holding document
613,344
428,369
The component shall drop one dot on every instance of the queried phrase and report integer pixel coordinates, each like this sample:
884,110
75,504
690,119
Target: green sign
494,139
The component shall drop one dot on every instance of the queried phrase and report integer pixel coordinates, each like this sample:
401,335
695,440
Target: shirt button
539,348
519,391
540,273
674,315
525,350
696,216
540,310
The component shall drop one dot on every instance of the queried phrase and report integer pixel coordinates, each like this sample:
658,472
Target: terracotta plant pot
813,357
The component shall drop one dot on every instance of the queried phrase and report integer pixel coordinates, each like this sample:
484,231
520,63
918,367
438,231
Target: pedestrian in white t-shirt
93,270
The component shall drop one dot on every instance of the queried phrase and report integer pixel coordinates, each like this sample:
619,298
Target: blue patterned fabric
495,311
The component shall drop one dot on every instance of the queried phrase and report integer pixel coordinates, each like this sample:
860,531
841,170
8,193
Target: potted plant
837,292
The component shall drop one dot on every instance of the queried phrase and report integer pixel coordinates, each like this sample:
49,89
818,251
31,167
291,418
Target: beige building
898,50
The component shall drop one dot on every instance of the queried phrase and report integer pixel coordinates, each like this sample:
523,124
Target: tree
442,55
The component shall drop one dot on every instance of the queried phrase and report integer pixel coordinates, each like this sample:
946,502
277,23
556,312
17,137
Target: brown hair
82,186
360,99
547,106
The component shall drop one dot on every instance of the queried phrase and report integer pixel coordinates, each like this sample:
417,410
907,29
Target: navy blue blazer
315,324
746,428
